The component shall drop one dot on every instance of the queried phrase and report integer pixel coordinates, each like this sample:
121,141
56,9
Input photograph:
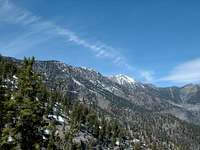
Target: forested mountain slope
51,105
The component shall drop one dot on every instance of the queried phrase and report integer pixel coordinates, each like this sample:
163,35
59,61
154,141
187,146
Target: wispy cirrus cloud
13,14
187,72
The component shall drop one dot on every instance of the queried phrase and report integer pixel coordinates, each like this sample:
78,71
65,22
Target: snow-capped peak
123,79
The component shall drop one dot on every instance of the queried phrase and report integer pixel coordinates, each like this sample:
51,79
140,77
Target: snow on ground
10,139
60,119
136,141
46,131
15,77
57,118
117,143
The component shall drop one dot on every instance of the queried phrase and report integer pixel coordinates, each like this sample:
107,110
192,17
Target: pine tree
26,110
2,99
7,69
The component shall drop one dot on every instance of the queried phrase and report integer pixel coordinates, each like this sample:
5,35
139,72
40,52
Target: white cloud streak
148,76
187,72
12,14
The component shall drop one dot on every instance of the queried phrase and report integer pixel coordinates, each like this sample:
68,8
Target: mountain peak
123,79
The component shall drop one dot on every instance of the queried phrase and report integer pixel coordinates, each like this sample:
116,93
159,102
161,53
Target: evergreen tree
26,110
2,107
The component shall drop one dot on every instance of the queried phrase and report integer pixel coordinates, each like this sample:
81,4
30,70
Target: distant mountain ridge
179,100
173,100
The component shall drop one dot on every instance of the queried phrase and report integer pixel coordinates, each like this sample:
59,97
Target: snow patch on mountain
78,83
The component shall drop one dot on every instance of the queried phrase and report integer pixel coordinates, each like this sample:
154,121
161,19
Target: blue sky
152,41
